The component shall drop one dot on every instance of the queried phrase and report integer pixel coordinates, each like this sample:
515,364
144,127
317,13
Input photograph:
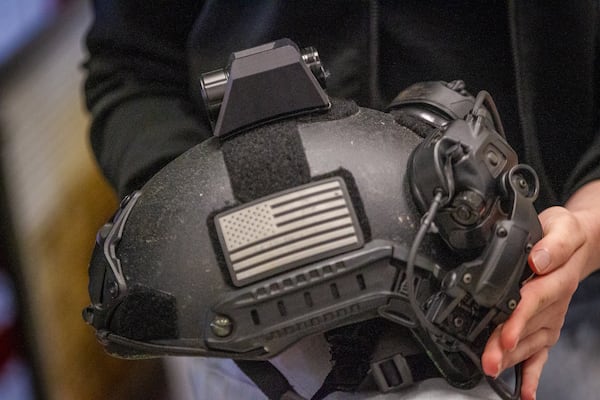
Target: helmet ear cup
413,122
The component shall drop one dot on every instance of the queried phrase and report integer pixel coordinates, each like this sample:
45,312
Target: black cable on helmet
426,222
484,98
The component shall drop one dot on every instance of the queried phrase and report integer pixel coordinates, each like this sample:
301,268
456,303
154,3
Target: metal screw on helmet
512,304
522,183
221,326
501,232
467,278
458,322
528,247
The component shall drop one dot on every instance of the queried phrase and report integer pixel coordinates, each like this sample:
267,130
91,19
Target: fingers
544,302
533,349
529,346
552,318
563,235
559,259
491,359
534,325
532,371
496,359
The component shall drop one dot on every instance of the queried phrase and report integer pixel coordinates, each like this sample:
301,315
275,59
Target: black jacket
539,61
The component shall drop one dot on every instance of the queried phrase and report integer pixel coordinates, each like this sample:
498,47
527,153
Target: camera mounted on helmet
304,214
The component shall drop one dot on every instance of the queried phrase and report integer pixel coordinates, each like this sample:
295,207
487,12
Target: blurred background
52,201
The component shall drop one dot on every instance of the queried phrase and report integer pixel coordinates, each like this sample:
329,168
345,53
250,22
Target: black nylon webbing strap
369,356
351,349
265,161
268,379
384,376
389,375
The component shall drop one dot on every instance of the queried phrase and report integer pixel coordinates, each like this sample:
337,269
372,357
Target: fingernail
541,260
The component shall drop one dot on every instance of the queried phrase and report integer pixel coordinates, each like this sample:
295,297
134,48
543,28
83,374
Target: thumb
563,235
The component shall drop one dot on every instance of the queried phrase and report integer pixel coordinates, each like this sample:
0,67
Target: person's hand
561,259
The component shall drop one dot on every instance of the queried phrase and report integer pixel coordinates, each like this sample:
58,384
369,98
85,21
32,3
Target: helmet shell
170,254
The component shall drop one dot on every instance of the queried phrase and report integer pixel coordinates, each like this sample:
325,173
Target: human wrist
585,208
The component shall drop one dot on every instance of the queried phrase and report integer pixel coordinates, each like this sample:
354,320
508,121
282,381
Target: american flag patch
288,229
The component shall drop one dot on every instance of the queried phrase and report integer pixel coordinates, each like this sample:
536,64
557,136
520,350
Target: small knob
311,58
213,90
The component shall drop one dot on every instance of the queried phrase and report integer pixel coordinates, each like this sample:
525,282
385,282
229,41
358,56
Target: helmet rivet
512,304
522,183
221,326
467,278
501,232
458,322
528,247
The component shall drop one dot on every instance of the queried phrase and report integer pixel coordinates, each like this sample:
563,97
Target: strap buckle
392,373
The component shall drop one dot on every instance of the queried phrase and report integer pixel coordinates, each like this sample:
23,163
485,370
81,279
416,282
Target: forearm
137,88
585,205
141,135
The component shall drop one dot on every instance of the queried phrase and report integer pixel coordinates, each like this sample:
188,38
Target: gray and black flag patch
288,229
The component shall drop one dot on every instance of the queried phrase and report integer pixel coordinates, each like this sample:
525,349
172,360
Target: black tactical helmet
304,214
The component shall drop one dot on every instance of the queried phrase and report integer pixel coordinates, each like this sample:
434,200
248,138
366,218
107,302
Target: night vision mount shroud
304,214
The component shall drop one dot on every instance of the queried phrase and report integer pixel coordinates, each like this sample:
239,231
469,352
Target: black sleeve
137,87
587,168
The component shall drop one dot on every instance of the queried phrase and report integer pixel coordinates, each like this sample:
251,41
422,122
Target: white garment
305,365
